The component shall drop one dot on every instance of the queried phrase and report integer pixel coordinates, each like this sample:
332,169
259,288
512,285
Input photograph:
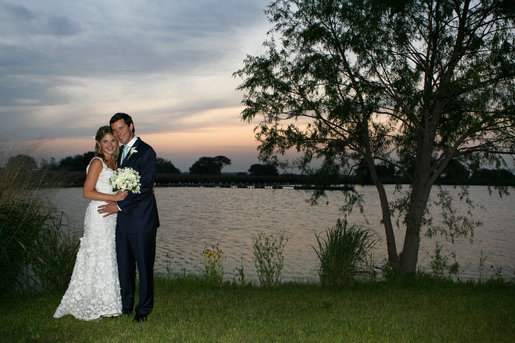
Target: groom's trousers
136,249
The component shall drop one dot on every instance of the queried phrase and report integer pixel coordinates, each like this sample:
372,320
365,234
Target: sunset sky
67,66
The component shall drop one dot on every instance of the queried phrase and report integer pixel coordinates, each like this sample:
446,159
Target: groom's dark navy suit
136,229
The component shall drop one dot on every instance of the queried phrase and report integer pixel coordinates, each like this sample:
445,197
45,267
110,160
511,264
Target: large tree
411,84
263,169
22,163
166,166
76,162
209,165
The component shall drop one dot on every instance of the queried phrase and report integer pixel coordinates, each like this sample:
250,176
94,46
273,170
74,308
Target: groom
137,220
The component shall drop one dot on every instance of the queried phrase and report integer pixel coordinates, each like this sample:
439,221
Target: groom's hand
110,208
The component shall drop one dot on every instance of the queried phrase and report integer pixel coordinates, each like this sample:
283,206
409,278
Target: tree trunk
421,189
413,221
410,250
391,245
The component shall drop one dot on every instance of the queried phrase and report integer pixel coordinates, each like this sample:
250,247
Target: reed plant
53,256
268,251
344,253
20,226
34,252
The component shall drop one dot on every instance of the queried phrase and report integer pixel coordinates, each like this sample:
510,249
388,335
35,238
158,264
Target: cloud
21,20
67,66
62,26
20,12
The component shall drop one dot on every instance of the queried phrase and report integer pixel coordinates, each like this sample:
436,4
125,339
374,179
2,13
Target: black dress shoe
126,312
140,318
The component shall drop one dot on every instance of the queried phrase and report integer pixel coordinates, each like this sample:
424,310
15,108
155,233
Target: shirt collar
131,142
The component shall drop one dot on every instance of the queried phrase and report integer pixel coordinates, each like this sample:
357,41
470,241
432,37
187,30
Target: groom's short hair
126,118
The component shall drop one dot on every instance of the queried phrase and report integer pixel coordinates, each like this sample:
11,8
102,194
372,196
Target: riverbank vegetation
38,260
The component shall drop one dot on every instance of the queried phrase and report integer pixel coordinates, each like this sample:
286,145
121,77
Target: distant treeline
70,172
490,177
455,174
487,177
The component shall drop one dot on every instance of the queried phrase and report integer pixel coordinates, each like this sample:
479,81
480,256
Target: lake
196,217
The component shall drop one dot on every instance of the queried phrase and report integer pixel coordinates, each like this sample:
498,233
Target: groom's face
122,131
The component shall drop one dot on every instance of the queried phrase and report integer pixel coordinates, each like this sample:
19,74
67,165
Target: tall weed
440,266
268,250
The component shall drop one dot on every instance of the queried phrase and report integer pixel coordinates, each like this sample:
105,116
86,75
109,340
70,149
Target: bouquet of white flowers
126,179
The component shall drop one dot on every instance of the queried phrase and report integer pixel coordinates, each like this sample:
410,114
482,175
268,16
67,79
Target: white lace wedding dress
94,289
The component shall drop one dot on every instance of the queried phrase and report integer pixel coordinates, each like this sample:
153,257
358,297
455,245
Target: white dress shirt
127,147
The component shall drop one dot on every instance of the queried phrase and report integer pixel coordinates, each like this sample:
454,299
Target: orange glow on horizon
214,141
226,138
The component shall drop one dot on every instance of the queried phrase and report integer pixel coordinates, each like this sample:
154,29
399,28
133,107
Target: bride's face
108,144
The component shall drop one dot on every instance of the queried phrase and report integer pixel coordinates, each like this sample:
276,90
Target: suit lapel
119,160
129,155
121,155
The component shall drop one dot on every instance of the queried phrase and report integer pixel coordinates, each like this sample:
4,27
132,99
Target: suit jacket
139,210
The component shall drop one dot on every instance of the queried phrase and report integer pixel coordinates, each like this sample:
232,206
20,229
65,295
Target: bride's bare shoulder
95,164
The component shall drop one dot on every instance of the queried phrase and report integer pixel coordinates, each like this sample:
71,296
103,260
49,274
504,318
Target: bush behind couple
119,231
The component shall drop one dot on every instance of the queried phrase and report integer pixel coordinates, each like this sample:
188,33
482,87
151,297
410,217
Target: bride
94,289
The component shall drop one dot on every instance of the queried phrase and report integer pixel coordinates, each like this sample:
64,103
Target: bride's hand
121,195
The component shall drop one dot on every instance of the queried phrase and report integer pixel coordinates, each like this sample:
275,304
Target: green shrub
344,253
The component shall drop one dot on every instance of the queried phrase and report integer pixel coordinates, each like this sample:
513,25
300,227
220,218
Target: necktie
124,153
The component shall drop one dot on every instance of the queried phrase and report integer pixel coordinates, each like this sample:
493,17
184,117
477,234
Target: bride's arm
89,191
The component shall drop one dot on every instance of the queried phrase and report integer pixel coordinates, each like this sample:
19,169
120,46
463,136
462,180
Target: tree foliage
411,84
455,173
493,177
385,172
76,162
209,165
48,165
263,169
22,163
165,166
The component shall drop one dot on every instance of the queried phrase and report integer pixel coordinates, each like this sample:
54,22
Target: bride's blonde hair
101,132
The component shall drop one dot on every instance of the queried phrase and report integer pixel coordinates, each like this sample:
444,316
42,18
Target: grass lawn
189,310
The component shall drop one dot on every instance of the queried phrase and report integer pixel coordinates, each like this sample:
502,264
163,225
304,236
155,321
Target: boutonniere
132,151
